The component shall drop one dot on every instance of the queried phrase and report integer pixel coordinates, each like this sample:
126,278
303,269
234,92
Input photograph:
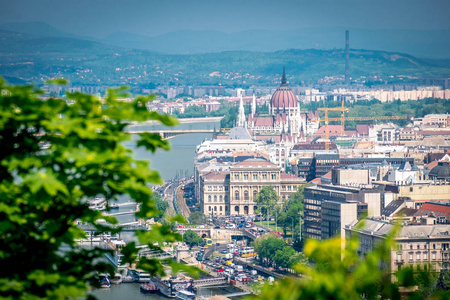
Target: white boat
185,295
105,283
98,203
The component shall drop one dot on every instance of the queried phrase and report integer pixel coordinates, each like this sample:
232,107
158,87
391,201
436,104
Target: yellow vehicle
229,262
208,242
206,247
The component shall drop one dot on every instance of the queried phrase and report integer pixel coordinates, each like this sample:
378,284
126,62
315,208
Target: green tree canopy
197,218
266,199
44,191
191,238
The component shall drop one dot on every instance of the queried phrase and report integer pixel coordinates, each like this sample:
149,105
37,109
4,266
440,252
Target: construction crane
343,118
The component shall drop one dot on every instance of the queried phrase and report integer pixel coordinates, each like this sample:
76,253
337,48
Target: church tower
241,114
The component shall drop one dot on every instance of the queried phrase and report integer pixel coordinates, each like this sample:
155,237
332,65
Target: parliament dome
283,96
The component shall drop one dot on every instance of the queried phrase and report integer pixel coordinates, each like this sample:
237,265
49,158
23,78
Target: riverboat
170,286
98,203
105,283
148,288
185,295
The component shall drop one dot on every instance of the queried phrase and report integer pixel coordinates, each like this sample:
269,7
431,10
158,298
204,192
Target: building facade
416,245
234,192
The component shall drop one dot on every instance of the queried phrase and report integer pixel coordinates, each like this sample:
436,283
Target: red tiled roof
255,162
334,130
362,129
264,121
327,176
436,209
432,164
433,132
289,176
216,175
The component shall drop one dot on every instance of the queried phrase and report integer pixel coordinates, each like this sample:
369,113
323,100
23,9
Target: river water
179,161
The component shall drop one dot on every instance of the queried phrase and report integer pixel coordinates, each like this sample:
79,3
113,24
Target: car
224,251
220,269
217,244
216,227
248,225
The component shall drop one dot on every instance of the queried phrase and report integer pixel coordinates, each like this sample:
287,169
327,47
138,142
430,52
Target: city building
328,208
233,192
426,245
283,115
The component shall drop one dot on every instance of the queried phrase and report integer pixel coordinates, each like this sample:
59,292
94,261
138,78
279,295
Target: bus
248,252
207,242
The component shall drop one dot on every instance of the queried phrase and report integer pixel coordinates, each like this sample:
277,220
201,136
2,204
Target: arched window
226,198
209,198
215,208
209,208
220,208
220,198
255,194
246,195
236,209
236,195
215,198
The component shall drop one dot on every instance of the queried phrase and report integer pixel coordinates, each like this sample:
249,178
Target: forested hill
34,58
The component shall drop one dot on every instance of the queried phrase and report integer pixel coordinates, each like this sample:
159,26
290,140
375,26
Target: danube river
179,161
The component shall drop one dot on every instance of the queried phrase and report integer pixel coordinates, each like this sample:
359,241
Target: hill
432,44
33,58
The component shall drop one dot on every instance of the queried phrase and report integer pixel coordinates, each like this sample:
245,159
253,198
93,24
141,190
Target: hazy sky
149,17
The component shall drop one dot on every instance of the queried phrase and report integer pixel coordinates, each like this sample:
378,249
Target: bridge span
168,134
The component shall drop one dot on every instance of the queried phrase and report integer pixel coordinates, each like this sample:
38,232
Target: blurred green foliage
332,270
44,190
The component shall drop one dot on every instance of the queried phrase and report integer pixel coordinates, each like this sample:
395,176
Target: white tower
241,114
254,106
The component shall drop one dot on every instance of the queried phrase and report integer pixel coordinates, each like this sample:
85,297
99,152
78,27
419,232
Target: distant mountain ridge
421,43
33,58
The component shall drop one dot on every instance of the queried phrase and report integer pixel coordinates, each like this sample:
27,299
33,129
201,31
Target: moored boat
185,295
148,288
105,283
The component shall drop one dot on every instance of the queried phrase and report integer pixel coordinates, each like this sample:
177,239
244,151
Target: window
209,208
236,176
209,188
255,176
274,176
215,208
264,176
215,188
255,194
246,197
433,255
209,198
220,208
245,176
236,195
215,198
425,256
417,256
220,188
410,256
226,189
226,198
220,198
